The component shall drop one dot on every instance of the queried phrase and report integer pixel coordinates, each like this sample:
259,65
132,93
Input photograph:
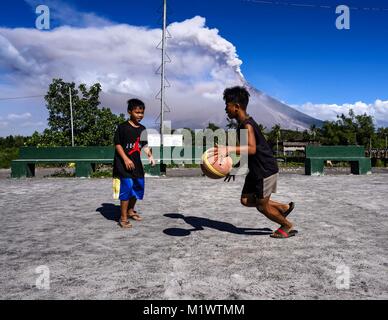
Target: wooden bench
317,155
85,159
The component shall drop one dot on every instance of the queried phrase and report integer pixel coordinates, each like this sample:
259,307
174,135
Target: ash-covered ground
196,241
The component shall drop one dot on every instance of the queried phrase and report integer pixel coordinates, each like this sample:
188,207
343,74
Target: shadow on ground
110,211
200,223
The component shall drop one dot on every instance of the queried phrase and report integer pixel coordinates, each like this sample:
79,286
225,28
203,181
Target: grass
186,165
290,164
7,155
62,174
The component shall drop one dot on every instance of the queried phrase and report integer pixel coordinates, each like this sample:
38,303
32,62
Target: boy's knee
244,202
249,201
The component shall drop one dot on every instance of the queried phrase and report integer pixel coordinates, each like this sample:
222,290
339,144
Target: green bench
85,159
317,155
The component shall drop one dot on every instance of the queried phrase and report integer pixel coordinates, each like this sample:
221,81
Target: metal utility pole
162,89
163,81
71,119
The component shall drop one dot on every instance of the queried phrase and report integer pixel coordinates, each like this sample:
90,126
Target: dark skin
128,207
271,209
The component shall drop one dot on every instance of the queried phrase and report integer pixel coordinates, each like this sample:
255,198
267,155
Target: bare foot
287,227
134,215
125,224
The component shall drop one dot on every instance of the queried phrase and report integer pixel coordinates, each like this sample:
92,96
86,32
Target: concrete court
196,241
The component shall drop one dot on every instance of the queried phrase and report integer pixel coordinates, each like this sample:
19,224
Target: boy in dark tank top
261,180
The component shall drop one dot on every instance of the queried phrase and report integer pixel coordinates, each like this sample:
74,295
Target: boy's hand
218,151
152,161
129,164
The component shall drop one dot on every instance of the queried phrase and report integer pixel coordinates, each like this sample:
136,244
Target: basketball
216,169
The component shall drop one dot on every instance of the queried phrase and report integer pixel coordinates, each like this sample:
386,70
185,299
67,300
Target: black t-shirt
262,164
132,139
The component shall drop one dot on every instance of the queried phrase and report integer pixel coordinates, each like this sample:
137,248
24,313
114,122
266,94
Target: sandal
135,216
292,206
282,234
125,224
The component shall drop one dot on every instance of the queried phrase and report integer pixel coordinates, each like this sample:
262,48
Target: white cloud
378,110
32,124
13,60
3,124
124,59
23,116
65,14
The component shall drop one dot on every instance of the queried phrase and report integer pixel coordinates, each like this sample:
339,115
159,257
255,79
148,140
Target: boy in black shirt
261,180
130,138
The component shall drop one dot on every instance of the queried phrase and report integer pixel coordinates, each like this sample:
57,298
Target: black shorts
260,187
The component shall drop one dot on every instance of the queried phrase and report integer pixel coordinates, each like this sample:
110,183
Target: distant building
290,147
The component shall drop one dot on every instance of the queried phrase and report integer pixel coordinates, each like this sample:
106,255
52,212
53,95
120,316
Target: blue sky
292,53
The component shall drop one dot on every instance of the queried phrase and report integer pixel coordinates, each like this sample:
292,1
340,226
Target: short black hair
135,103
238,95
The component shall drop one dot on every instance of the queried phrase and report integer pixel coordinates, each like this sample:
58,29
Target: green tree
315,133
349,130
12,141
232,124
212,126
365,130
274,137
382,137
330,133
92,126
9,149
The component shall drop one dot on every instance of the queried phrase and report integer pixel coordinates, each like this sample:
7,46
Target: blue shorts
131,188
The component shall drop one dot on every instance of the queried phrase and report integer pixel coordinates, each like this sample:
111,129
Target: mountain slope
269,112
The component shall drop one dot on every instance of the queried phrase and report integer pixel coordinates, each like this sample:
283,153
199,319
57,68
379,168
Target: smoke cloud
124,59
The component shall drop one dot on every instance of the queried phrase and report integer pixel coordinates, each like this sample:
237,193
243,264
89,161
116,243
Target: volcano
269,112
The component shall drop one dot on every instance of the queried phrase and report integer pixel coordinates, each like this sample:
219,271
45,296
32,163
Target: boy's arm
128,162
249,149
148,152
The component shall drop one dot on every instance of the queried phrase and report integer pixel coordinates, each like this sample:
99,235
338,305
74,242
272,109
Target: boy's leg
131,209
272,213
125,187
282,207
131,204
124,214
249,200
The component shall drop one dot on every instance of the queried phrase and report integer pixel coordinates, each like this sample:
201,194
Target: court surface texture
196,241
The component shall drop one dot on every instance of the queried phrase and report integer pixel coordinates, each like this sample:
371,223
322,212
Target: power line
310,5
18,98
